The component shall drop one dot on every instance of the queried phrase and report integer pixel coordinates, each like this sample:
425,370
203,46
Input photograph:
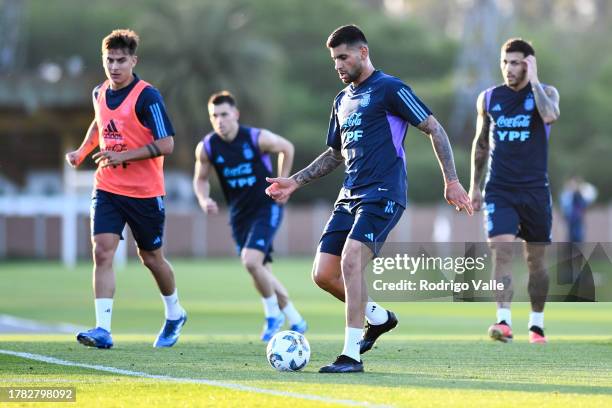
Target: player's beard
515,80
353,76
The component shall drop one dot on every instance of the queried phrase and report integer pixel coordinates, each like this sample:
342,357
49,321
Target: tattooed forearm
480,150
441,146
321,166
547,102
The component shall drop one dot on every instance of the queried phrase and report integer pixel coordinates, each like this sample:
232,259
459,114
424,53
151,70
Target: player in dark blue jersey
241,158
368,124
512,132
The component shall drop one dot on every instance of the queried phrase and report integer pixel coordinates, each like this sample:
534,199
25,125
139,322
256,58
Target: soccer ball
288,351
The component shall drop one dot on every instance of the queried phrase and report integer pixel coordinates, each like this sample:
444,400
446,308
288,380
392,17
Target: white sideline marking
14,324
214,383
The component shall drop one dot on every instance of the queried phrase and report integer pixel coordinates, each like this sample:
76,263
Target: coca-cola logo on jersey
514,121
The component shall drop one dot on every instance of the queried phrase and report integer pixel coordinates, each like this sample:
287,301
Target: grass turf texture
438,356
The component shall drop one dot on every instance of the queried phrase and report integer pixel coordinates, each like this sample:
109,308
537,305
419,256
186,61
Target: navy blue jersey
150,108
242,171
368,124
518,139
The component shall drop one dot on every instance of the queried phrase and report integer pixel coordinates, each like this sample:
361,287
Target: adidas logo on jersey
220,160
369,236
111,132
496,108
261,242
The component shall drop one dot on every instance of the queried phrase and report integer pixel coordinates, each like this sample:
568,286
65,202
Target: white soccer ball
288,351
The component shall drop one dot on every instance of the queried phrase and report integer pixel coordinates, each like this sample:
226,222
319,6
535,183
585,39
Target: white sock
536,319
292,314
174,310
104,312
271,308
352,337
504,314
375,313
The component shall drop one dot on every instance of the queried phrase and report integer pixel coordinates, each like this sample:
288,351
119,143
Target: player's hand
455,195
74,158
106,158
281,188
476,197
532,69
210,206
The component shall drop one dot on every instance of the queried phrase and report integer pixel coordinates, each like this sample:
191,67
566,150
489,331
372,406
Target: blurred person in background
512,132
576,196
240,156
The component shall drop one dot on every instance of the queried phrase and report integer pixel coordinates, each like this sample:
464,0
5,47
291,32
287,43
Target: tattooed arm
321,166
453,190
546,97
282,187
480,151
441,146
547,101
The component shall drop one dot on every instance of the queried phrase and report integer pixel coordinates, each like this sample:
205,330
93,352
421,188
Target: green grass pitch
438,356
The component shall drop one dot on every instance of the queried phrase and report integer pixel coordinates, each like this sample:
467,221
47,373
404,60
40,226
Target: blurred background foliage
271,54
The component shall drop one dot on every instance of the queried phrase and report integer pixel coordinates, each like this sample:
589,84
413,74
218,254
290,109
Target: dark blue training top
150,108
368,124
518,139
242,171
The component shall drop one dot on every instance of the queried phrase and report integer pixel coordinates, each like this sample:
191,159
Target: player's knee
535,263
103,254
321,278
503,254
151,259
251,263
350,265
350,262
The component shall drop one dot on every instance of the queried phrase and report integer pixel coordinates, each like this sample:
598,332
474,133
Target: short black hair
123,39
219,98
347,34
518,45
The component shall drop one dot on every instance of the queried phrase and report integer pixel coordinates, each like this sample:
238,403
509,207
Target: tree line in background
271,54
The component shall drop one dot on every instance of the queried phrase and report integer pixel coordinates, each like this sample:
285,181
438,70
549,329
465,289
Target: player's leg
327,271
146,217
536,227
355,256
106,226
104,247
373,222
502,254
281,292
296,321
502,223
253,261
538,290
175,315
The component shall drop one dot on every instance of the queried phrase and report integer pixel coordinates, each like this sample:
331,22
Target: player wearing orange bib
134,134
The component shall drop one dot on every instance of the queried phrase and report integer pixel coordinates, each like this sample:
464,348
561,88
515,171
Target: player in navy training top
241,158
368,124
512,132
